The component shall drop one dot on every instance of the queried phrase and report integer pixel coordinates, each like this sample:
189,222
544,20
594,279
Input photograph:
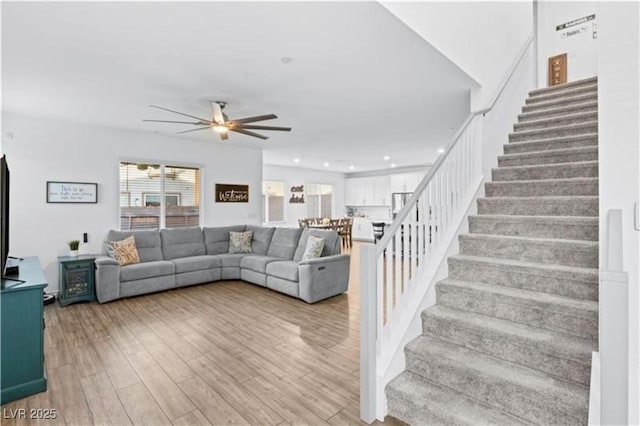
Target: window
273,196
153,200
156,196
319,200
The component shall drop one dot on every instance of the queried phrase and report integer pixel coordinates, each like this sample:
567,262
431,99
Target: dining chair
303,223
344,231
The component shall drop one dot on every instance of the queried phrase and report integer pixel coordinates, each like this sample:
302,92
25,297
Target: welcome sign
226,193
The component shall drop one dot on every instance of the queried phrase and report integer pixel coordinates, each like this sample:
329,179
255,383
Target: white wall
619,154
296,176
482,38
41,149
581,48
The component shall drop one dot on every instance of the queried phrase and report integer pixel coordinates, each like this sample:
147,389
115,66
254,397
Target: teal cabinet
22,366
77,279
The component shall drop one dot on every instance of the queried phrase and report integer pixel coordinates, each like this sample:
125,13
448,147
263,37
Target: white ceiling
361,84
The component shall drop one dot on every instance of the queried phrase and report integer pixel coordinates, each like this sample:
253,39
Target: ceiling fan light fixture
219,128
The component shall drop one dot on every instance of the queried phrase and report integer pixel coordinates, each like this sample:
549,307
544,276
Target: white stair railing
396,273
396,266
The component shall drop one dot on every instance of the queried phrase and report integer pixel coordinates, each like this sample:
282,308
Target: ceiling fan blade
193,130
254,119
224,136
181,113
248,133
252,127
218,117
169,121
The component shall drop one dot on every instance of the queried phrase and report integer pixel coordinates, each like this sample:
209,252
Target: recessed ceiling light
386,158
286,60
393,165
296,160
441,151
351,167
451,129
326,164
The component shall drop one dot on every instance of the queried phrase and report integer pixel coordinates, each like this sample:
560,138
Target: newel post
368,327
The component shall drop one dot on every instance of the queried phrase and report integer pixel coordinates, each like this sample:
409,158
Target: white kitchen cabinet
381,191
350,192
367,191
405,182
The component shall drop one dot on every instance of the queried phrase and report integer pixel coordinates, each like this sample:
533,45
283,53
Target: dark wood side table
77,279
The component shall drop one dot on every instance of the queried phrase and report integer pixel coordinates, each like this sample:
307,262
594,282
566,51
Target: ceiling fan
221,124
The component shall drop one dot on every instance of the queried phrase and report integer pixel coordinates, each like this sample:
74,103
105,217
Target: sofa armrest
323,277
107,279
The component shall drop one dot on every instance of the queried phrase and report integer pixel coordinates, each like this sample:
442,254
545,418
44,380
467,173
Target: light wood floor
221,353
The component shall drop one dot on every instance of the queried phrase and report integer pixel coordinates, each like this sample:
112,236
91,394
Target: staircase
509,340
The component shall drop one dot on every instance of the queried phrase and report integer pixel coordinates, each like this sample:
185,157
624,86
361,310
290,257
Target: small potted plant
73,247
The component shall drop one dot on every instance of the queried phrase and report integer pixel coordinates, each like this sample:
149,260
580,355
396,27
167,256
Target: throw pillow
314,247
125,251
240,242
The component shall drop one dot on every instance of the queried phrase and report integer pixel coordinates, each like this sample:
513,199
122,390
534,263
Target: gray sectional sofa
172,258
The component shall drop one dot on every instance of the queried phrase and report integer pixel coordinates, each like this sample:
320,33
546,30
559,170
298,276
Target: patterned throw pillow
240,242
314,247
125,251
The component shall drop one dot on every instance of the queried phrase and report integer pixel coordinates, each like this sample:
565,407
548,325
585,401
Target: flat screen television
4,213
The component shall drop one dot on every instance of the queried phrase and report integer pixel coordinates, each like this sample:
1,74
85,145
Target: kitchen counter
362,229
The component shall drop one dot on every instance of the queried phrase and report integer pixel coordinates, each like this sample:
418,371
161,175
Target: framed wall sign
226,193
72,192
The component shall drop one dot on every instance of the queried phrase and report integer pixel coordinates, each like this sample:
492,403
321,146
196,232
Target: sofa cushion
144,270
216,240
284,243
147,243
228,260
124,251
331,242
256,262
314,247
261,238
196,263
283,286
240,242
182,242
287,269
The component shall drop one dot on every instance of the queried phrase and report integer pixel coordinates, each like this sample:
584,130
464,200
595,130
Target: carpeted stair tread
539,309
563,101
567,93
539,206
546,122
543,187
544,250
555,131
562,355
550,144
418,401
552,156
504,385
551,302
558,227
559,111
545,171
560,87
570,281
